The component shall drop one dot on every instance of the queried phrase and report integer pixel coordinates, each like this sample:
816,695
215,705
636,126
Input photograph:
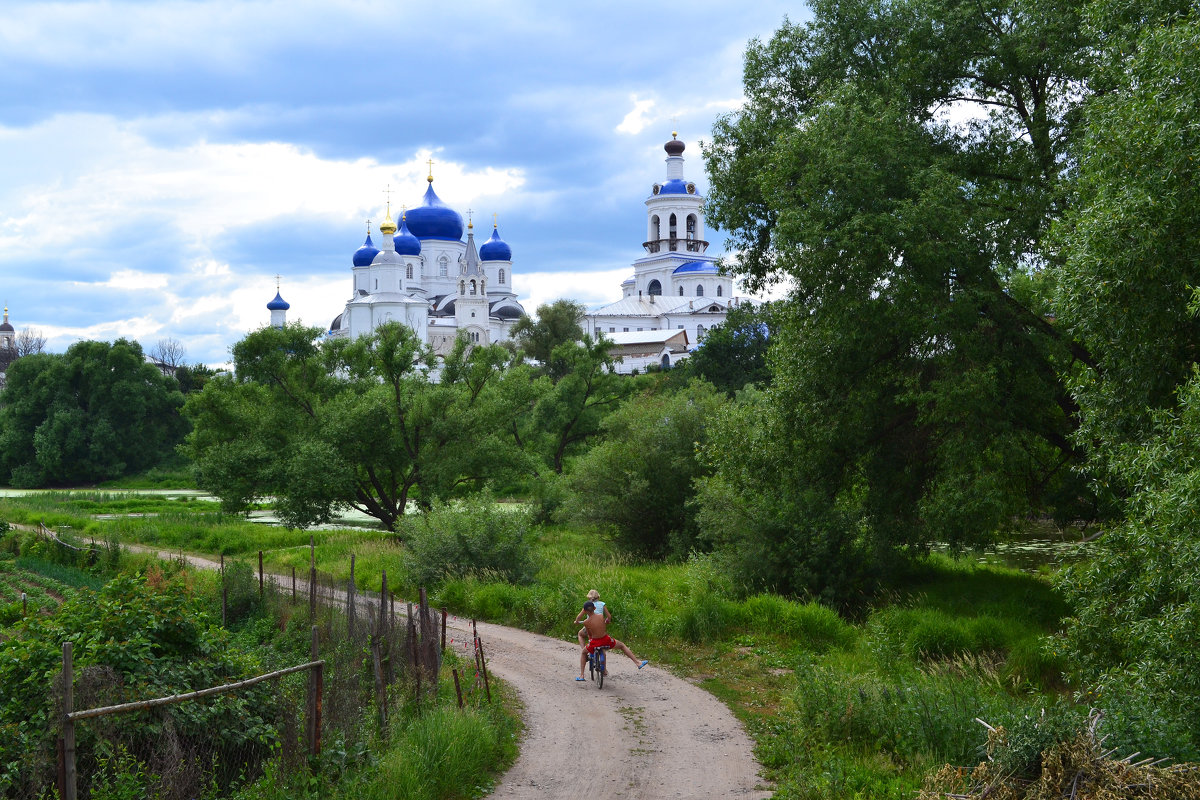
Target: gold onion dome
387,226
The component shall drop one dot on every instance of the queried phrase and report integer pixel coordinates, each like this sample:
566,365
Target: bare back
596,626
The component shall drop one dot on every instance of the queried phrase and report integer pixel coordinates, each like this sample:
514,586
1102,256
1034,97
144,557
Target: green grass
837,708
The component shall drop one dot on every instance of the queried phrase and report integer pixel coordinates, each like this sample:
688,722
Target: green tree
557,323
568,413
917,381
359,424
734,353
1127,288
637,482
96,412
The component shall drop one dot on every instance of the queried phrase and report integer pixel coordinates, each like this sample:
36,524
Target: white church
424,275
676,293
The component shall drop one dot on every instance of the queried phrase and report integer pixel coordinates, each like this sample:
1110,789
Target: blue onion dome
406,243
495,248
433,219
696,266
278,304
677,186
364,255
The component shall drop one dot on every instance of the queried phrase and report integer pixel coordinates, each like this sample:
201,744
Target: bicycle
598,665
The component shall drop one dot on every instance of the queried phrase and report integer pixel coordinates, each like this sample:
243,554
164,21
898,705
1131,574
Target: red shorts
607,641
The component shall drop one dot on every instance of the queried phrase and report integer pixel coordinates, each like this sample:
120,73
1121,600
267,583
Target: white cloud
592,288
637,119
204,189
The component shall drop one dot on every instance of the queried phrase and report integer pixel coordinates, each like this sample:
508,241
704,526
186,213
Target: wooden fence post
443,631
69,790
457,686
312,577
293,585
260,575
316,684
483,661
350,609
224,591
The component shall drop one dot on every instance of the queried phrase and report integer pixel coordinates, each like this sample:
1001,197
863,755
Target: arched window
666,361
654,288
700,290
472,287
408,272
681,291
699,333
377,284
719,291
462,287
691,226
443,266
655,229
502,276
673,233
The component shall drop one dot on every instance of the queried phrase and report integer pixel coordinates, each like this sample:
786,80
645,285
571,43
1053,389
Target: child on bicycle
597,629
593,597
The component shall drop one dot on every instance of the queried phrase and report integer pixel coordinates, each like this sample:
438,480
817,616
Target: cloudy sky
162,162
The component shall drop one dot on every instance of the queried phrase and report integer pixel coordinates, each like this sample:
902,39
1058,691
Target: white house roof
663,304
662,337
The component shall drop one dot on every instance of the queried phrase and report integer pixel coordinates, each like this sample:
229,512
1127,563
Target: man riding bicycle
597,629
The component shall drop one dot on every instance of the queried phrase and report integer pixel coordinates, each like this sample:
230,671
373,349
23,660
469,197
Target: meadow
837,708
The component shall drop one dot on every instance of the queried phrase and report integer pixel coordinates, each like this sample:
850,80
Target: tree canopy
96,412
360,423
900,165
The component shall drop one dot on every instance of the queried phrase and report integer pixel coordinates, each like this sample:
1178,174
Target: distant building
676,287
425,275
8,347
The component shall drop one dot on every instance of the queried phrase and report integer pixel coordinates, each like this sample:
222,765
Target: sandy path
646,734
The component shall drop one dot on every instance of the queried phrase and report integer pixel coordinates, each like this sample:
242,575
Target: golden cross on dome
430,178
493,219
277,277
368,227
470,224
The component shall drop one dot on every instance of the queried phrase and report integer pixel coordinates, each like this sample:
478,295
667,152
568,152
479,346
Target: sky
164,164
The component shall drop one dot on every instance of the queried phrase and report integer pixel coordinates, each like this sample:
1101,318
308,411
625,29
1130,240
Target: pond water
1029,553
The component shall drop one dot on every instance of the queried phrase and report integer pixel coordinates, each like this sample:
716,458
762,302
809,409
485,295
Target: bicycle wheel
601,666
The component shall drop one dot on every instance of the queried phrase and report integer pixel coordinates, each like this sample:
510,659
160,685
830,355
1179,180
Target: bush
468,539
937,637
810,625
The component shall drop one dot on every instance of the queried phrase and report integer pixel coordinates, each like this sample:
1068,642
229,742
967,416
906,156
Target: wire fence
370,654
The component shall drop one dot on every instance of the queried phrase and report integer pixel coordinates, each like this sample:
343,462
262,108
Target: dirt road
646,734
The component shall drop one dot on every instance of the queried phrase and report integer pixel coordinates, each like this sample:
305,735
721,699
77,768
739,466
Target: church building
675,287
424,275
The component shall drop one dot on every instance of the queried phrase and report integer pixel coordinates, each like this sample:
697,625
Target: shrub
937,637
810,625
468,539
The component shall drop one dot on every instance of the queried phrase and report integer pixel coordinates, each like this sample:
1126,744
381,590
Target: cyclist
598,636
601,608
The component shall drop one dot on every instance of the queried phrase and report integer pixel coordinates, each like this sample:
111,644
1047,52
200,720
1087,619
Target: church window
626,330
655,229
639,329
699,290
612,330
472,287
443,266
462,287
699,333
502,276
691,226
680,327
654,288
673,233
472,313
681,291
409,272
377,284
719,291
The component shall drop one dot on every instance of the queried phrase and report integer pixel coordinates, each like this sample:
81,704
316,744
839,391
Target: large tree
900,163
557,323
1128,289
94,413
360,423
